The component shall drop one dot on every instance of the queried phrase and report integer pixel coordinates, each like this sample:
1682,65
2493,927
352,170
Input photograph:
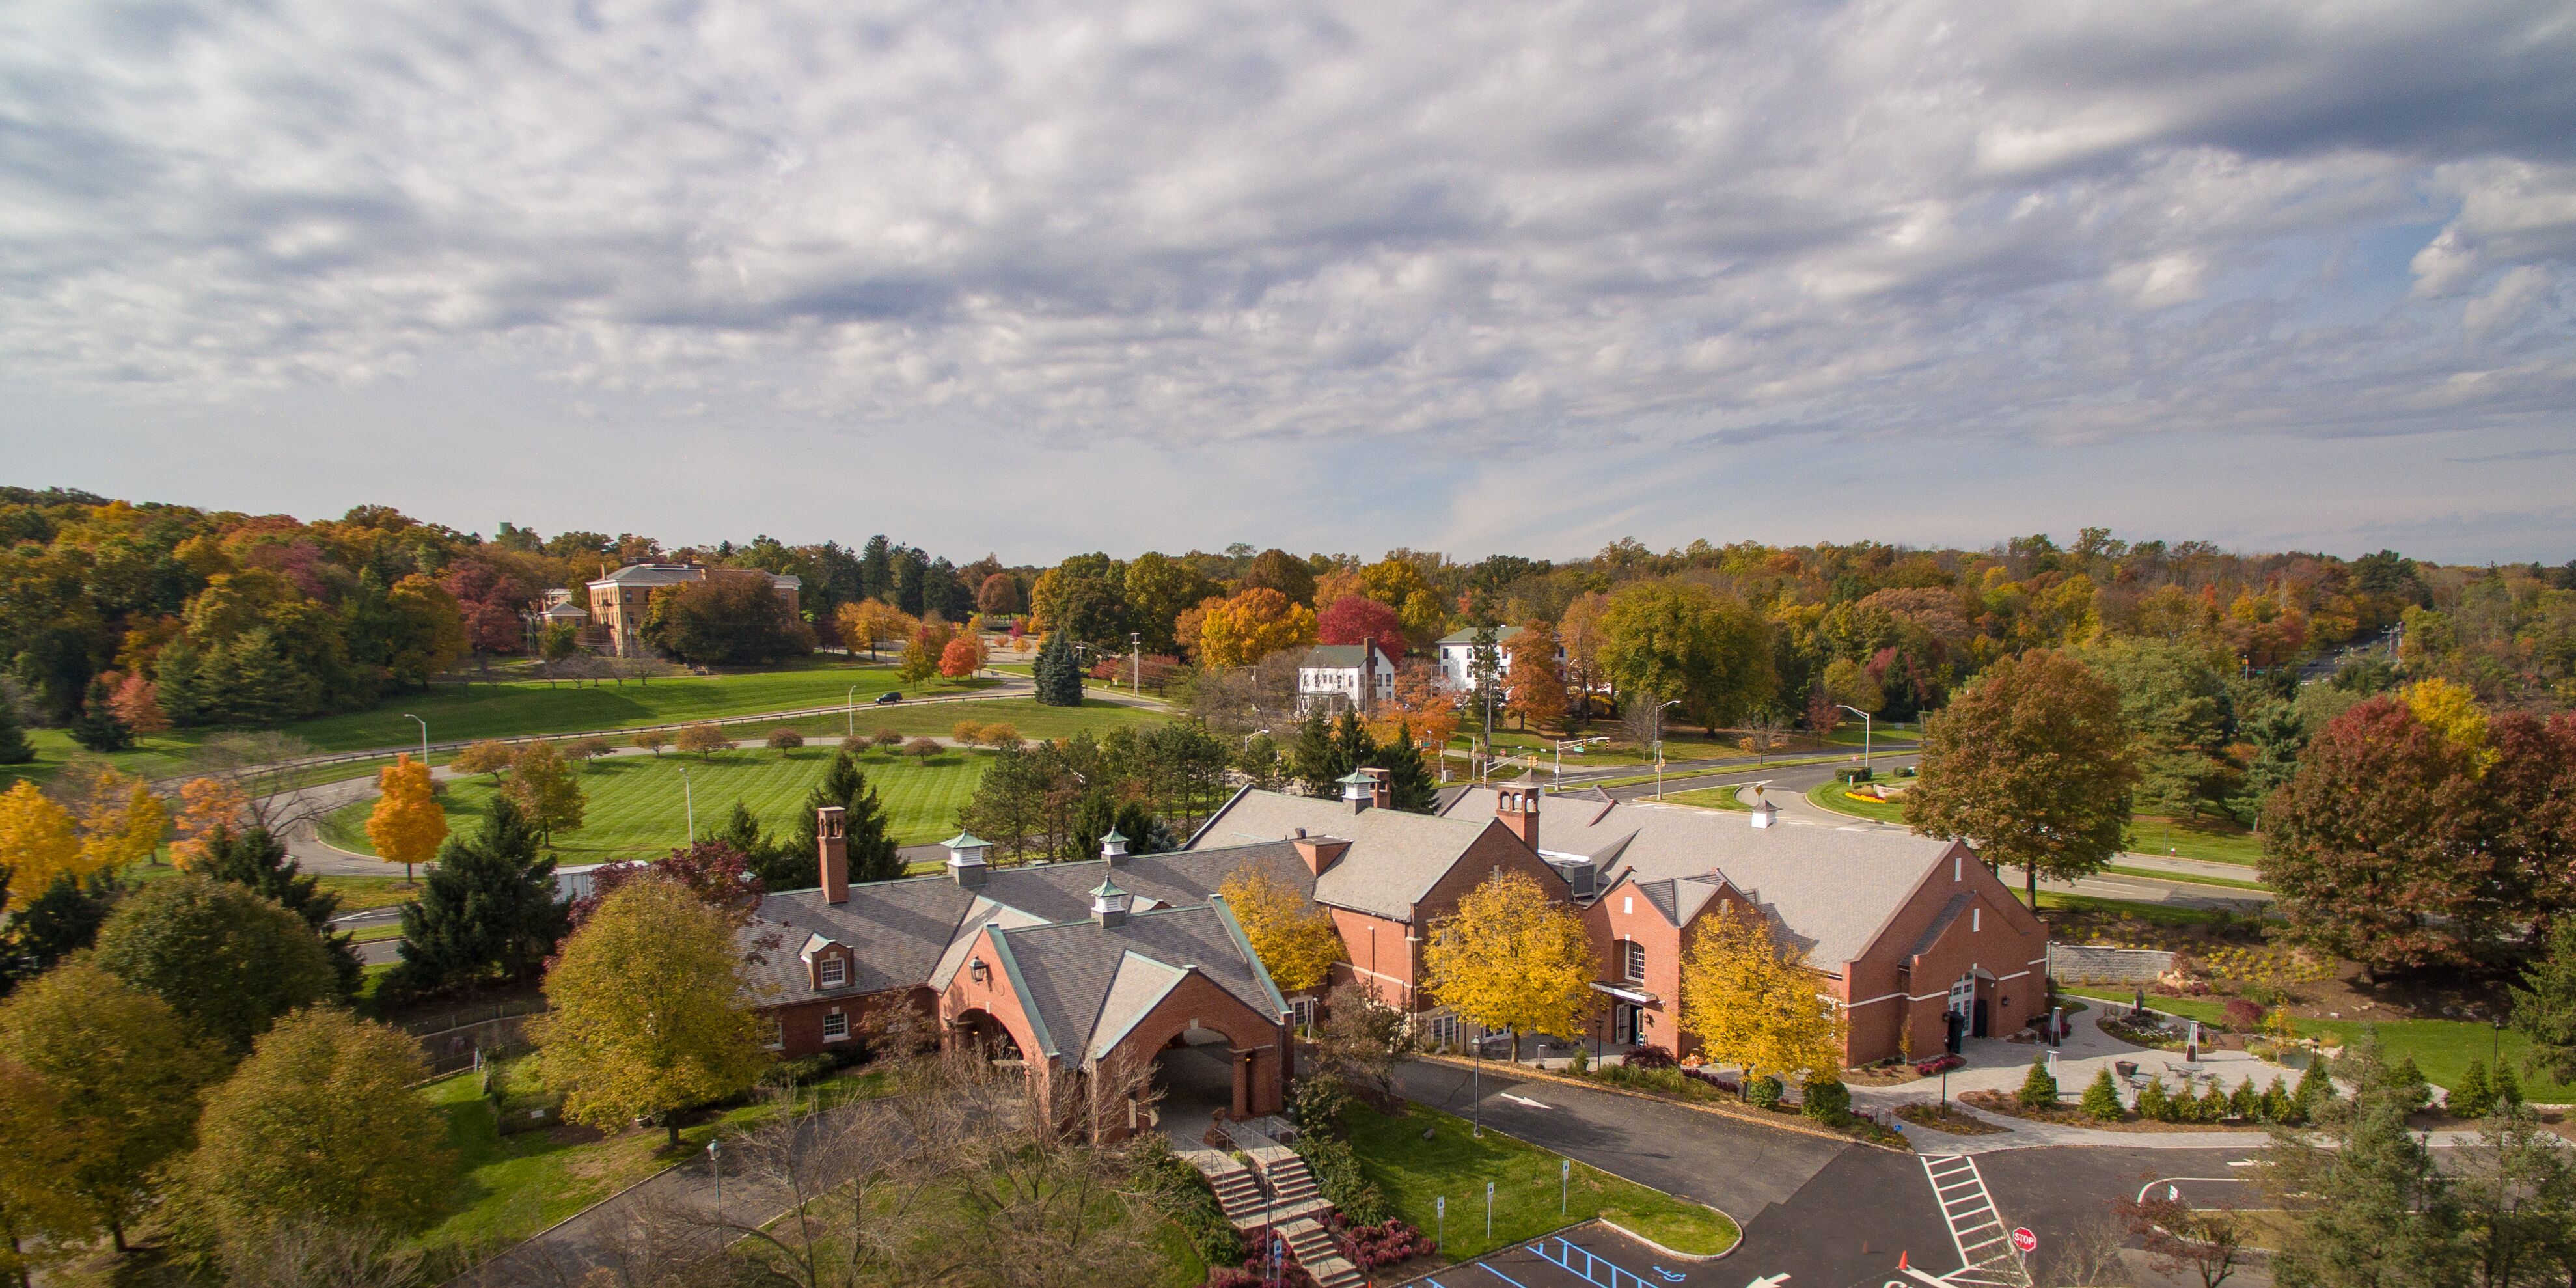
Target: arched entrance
976,1029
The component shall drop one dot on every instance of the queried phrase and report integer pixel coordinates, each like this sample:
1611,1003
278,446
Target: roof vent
966,853
1108,904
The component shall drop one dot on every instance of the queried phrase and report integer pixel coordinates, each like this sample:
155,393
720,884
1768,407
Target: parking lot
1586,1257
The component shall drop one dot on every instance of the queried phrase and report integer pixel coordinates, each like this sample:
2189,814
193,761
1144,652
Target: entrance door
1623,1022
1979,1029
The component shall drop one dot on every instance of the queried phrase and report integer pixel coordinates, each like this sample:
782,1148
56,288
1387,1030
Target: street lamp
689,799
850,709
1247,740
1659,746
716,1165
1135,662
424,737
1864,735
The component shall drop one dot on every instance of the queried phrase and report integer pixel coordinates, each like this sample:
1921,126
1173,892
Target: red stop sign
2025,1240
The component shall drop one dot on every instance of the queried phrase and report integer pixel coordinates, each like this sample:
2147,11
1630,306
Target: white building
1457,652
1362,676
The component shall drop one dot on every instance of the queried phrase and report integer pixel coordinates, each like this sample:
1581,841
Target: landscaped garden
639,807
2442,1049
1530,1199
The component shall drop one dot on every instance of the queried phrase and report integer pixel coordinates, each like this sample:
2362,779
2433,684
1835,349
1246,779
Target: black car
889,695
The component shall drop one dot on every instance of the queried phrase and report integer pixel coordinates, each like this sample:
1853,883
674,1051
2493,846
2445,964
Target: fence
2092,964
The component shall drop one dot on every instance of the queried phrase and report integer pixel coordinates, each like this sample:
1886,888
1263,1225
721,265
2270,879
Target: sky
1040,277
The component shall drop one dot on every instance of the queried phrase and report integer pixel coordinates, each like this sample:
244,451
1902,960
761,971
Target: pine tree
793,861
2406,1076
2316,1090
1316,758
2372,1208
488,911
2245,1103
98,727
2102,1098
2475,1096
2544,1004
1409,783
2039,1087
14,747
2212,1106
2508,1088
253,684
2154,1104
255,859
180,673
2279,1106
1058,672
61,921
742,831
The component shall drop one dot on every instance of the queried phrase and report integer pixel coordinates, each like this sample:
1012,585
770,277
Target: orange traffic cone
1900,1258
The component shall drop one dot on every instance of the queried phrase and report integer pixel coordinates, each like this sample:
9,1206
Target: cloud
1460,232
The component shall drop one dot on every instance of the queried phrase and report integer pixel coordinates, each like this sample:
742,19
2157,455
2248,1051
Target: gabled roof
1085,985
1468,636
1834,891
1394,859
1341,657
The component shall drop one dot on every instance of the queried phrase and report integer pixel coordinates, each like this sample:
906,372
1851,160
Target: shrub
1384,1244
1316,1104
886,738
1649,1057
2279,1106
783,738
2508,1089
925,748
857,744
2245,1102
652,740
998,736
703,738
2316,1089
2039,1087
2153,1104
2212,1106
2410,1083
801,1071
2475,1096
2244,1014
967,732
1581,1064
1337,1176
1826,1100
1763,1092
1184,1193
2102,1098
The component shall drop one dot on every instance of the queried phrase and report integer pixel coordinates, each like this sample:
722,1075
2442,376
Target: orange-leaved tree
407,824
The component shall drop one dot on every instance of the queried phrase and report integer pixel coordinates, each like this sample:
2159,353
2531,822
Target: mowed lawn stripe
637,807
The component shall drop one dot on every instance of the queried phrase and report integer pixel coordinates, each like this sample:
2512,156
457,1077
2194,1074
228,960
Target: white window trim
831,972
777,1033
844,1034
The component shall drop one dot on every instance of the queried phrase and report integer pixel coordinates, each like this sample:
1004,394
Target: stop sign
2025,1240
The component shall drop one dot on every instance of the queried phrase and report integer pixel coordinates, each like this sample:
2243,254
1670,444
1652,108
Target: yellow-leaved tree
2452,711
1253,625
39,841
206,806
649,1013
547,790
1511,958
1293,934
1754,1004
121,821
407,824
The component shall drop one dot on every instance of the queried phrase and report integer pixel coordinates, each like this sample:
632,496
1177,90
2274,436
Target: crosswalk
1986,1254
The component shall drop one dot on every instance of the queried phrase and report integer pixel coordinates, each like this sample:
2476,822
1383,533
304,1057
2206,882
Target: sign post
1564,1184
1489,1211
1440,1218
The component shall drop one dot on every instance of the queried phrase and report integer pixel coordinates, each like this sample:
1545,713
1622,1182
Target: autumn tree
1511,958
138,704
116,1074
705,738
1355,619
548,791
206,804
488,911
962,657
717,872
1536,693
1251,625
1293,935
407,825
121,821
1281,571
648,1014
734,617
867,622
41,1220
2031,764
1682,640
39,842
999,596
1755,1003
320,1123
218,953
2374,845
652,740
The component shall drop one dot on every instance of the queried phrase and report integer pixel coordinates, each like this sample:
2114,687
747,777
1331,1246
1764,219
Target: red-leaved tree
1354,619
714,871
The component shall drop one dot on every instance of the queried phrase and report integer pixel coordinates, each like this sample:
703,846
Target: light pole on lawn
716,1165
424,737
1864,735
689,800
1135,662
850,710
1658,748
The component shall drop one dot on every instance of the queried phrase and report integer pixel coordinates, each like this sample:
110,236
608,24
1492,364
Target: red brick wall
1245,1029
1381,956
1387,954
802,1022
1625,914
1997,935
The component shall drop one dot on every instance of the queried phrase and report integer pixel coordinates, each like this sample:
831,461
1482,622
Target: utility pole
1864,736
1659,746
424,737
689,800
1135,662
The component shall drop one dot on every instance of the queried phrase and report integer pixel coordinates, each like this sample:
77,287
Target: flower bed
1943,1118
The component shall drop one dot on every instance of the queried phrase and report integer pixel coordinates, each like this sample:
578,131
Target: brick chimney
1381,787
831,833
1517,807
1320,852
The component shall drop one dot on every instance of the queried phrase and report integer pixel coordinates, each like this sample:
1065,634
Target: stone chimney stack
1517,807
831,833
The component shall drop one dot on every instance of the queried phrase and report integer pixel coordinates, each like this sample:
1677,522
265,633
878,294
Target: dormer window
831,972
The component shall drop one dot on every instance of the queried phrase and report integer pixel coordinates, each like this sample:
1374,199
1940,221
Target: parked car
889,695
1938,1064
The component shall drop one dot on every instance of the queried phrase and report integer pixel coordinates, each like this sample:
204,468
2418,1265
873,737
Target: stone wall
2094,964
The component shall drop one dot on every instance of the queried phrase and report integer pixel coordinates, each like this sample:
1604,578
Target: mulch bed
2010,1106
1952,1122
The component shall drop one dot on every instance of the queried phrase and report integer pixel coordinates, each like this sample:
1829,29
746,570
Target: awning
1629,995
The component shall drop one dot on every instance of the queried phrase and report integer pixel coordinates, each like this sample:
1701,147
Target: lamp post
716,1165
1247,740
424,737
850,711
1864,735
1659,746
1135,662
689,800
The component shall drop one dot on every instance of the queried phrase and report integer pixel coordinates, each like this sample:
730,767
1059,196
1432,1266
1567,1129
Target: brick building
615,623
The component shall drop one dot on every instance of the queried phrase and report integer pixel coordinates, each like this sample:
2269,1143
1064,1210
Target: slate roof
1340,657
653,574
914,932
1834,891
1394,860
1088,984
1469,636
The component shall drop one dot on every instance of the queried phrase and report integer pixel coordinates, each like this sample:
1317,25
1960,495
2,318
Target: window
1632,961
1302,1012
1976,920
831,972
836,1027
777,1033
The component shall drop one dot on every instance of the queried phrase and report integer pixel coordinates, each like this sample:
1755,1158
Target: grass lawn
2217,840
2170,916
2152,874
514,1186
2443,1049
1413,1173
1837,797
1710,798
637,807
938,720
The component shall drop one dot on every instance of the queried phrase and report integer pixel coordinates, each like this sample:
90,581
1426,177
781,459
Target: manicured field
638,807
2443,1049
1454,1164
940,719
2215,840
1710,798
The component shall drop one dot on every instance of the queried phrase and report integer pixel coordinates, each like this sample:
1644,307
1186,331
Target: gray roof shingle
1394,860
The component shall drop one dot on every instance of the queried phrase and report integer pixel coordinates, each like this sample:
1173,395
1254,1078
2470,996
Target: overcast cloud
1033,276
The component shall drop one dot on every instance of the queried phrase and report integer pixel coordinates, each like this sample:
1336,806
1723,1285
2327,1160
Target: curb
1624,1232
1795,1128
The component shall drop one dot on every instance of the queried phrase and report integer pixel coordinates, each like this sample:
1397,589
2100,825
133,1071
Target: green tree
795,862
548,791
41,1219
2474,1095
61,921
2102,1098
1058,672
2368,1206
2032,765
2544,1007
14,747
733,618
256,861
2039,1086
1159,588
648,1013
488,911
1681,640
2517,1194
2278,734
319,1124
2174,700
97,727
120,1073
225,957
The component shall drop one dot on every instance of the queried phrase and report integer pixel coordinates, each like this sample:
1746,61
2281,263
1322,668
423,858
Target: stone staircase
1294,1206
1314,1249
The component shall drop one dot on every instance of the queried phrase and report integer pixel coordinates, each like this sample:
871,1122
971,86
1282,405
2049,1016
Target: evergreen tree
2039,1087
2316,1090
2279,1106
61,921
488,911
14,747
1317,758
2154,1104
2508,1088
254,685
794,861
742,831
2407,1076
180,682
1058,672
98,727
2544,1006
2245,1102
2372,1209
257,860
2102,1098
1409,782
2475,1096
